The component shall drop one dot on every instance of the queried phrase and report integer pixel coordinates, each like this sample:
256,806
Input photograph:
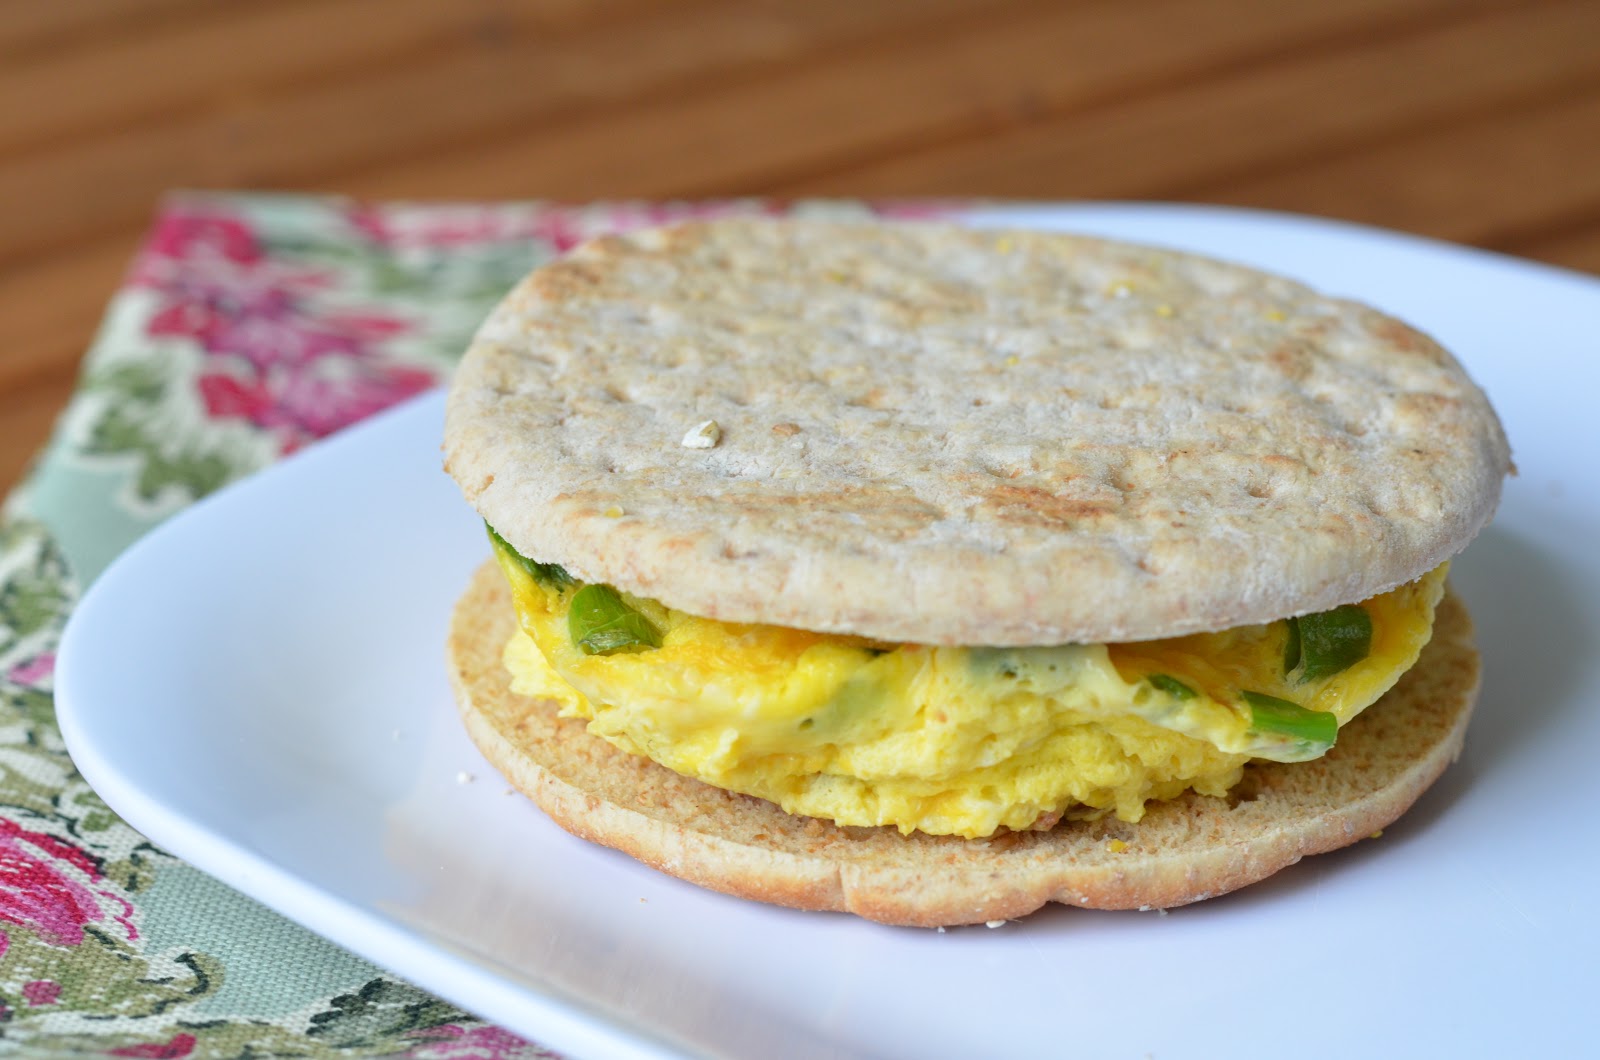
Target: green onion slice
1269,714
1171,686
1291,646
602,624
550,575
1333,641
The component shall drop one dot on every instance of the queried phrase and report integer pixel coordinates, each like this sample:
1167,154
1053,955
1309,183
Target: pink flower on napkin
317,403
226,396
452,1042
47,884
266,331
274,356
311,401
179,1045
200,235
34,670
38,992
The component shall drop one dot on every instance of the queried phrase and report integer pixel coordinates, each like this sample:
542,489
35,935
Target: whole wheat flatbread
1185,850
946,436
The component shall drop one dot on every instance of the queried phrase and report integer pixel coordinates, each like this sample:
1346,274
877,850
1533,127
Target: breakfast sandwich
933,574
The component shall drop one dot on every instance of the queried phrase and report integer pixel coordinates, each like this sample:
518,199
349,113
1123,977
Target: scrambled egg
943,740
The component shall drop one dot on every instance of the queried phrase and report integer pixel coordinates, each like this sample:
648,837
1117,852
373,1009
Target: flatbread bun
947,436
1183,851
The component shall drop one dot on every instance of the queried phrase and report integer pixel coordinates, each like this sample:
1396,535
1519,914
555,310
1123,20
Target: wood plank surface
1472,120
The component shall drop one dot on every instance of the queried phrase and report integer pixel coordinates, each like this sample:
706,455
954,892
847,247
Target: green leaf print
140,381
197,474
36,710
103,975
29,601
380,1010
119,431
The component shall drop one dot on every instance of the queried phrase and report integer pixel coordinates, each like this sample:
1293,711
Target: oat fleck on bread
939,435
1185,850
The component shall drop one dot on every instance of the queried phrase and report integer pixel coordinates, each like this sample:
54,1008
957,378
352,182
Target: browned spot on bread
1407,339
876,398
1034,506
471,489
786,430
1420,411
567,279
590,502
893,511
1292,361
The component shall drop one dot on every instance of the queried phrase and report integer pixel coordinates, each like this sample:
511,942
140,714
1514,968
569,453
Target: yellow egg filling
959,741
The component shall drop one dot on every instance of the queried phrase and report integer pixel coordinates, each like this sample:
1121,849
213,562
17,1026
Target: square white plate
275,637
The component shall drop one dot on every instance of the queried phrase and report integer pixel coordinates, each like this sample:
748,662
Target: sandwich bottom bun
1184,850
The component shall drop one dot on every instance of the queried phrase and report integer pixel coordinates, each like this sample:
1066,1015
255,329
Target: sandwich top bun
936,435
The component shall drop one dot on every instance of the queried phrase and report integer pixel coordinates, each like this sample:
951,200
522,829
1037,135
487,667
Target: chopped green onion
1269,714
1333,641
1291,646
550,575
1171,686
601,623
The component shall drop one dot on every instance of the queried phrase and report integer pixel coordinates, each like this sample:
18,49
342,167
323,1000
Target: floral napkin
248,326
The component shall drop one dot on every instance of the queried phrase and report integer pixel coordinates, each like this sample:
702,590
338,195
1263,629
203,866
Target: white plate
275,637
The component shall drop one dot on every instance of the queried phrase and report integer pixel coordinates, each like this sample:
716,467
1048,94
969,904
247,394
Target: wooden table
1471,120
